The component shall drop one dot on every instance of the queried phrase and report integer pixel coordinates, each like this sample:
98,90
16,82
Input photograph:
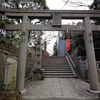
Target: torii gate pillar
93,77
22,55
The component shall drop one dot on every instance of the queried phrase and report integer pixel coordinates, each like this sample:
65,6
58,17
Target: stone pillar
22,55
38,72
93,77
39,53
10,75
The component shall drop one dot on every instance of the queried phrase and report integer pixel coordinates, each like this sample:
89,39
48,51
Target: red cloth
68,45
47,54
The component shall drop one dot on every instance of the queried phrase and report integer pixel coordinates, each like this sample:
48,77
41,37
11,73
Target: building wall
62,47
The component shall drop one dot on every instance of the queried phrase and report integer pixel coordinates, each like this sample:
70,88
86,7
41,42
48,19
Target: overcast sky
71,5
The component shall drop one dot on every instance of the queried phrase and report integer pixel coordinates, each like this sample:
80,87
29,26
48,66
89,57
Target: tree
55,49
79,41
18,4
96,6
9,38
28,4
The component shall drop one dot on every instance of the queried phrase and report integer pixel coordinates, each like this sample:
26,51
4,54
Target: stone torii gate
56,16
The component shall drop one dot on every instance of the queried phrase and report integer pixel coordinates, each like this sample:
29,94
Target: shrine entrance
56,16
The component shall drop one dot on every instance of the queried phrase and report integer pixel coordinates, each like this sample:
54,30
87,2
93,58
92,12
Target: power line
65,3
75,4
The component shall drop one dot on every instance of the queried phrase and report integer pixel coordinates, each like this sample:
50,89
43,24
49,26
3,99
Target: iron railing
71,64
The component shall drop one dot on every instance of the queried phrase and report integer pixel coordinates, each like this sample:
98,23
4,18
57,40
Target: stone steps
56,67
58,75
57,71
50,73
49,76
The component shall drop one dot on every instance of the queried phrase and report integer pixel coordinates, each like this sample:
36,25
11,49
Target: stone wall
12,52
8,50
3,58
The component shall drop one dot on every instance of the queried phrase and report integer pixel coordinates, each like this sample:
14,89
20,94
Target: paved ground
63,88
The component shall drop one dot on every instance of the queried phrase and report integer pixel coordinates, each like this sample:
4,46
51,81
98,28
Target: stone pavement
58,89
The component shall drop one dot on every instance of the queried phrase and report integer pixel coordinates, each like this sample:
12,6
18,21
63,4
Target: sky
71,5
60,5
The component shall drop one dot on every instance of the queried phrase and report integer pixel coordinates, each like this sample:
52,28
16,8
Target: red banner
68,45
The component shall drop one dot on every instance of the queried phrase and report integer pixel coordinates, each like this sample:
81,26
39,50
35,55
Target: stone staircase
56,67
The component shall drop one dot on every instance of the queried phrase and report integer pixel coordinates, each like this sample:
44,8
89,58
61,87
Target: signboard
56,19
7,74
10,74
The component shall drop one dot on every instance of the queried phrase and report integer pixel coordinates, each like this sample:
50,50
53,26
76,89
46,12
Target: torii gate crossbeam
32,27
47,14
